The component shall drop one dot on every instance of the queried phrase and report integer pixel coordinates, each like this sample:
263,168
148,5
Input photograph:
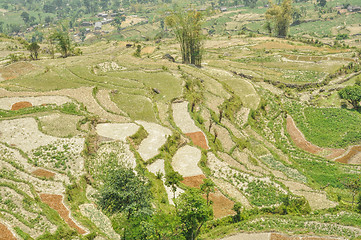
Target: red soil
20,105
56,202
198,139
194,181
43,173
302,143
222,206
353,151
5,233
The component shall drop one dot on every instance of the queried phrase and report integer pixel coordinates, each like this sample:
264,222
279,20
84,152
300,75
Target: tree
63,42
25,16
322,3
359,203
118,22
124,191
172,179
281,16
352,94
238,208
354,185
187,28
193,211
34,50
250,3
208,187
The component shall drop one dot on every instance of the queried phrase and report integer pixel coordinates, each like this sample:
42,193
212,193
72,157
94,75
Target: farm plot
184,121
185,161
260,191
59,125
99,219
9,103
5,233
56,202
117,131
157,136
44,150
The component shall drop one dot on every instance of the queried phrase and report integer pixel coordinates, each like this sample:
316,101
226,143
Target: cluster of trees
280,16
130,194
187,26
352,94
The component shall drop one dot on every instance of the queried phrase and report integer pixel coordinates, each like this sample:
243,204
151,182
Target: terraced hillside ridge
259,127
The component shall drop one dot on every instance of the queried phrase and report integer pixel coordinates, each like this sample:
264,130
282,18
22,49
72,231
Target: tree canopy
281,16
124,191
193,211
352,94
187,28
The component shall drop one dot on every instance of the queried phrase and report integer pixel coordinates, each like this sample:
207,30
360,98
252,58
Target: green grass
52,79
330,127
137,107
168,85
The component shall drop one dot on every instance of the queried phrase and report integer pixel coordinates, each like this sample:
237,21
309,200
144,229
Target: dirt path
56,202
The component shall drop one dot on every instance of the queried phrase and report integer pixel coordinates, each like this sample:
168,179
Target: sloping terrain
239,135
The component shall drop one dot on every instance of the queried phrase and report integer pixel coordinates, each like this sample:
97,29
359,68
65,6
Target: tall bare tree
187,28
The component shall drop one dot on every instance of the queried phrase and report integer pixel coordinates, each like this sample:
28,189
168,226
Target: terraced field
65,123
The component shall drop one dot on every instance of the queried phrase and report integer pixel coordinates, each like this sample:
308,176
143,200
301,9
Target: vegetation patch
329,127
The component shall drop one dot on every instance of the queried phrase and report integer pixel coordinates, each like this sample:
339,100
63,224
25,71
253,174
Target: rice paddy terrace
261,118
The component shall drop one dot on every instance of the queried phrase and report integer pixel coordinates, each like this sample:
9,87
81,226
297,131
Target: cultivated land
66,122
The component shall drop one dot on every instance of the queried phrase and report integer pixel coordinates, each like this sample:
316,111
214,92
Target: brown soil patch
16,69
198,139
43,173
149,49
300,141
56,202
5,233
194,181
222,206
20,105
353,151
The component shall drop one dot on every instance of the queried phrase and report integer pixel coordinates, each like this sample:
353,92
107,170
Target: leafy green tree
359,203
118,22
208,187
164,226
238,208
63,42
172,179
322,3
352,94
281,16
34,50
354,185
25,16
250,3
124,191
193,212
187,28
